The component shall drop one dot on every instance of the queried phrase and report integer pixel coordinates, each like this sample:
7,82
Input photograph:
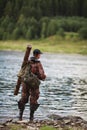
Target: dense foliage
32,19
40,8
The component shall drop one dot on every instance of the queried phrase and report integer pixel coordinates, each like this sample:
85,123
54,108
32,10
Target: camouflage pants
28,94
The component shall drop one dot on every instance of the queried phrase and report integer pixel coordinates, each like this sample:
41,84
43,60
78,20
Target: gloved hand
16,91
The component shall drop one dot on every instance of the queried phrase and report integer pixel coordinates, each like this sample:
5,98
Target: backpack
28,77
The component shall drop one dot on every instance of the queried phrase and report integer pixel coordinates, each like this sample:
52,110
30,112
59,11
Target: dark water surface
64,92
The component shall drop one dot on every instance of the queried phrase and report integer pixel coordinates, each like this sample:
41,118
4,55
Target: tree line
40,8
32,19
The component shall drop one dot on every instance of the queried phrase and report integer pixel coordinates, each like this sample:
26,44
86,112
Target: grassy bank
56,44
24,127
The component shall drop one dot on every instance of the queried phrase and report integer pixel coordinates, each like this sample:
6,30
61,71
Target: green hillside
34,19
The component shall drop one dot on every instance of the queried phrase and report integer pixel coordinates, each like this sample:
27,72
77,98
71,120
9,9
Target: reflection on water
64,92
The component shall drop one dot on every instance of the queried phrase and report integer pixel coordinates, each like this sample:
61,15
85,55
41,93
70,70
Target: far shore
52,44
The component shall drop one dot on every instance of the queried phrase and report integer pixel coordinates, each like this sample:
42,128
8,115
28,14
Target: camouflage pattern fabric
28,77
32,93
27,92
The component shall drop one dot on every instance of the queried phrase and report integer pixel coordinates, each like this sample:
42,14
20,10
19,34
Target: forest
33,19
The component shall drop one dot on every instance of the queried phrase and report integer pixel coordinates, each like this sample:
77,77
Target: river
64,92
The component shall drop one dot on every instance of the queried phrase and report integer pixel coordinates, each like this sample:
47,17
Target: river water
64,92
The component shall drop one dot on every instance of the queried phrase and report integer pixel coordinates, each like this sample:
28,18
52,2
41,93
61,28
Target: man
32,92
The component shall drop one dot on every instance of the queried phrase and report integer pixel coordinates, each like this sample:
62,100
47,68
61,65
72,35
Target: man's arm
41,73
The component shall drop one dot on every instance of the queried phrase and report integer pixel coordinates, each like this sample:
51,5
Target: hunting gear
26,56
30,75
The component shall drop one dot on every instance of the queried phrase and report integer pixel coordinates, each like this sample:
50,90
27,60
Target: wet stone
1,126
55,117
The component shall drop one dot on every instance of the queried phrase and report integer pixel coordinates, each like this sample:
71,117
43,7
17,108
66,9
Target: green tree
17,33
61,32
21,20
52,28
10,27
83,32
8,9
84,8
1,33
44,22
43,30
5,21
2,7
29,34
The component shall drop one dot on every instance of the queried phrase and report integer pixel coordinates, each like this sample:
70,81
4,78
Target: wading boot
20,114
33,108
21,109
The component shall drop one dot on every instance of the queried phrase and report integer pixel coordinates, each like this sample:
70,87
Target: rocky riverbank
55,121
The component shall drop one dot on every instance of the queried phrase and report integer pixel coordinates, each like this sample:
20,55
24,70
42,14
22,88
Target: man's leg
34,95
23,100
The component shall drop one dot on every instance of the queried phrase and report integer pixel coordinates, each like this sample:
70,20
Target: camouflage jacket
37,68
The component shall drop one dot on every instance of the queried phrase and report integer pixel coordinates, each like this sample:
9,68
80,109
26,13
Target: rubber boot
33,108
21,109
20,114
